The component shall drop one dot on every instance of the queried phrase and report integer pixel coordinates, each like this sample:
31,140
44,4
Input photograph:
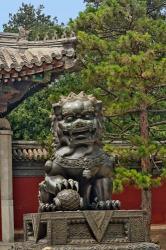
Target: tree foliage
122,49
34,20
31,120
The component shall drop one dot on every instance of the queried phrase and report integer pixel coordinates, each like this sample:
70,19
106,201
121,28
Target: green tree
155,8
122,49
30,120
34,20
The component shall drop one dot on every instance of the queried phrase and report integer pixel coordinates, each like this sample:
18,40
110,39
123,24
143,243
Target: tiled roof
22,57
28,66
28,151
11,58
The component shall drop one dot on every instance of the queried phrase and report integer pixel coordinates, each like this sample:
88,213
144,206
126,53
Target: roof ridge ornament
65,35
23,34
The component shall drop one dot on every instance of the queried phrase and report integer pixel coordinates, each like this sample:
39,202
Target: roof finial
46,37
23,34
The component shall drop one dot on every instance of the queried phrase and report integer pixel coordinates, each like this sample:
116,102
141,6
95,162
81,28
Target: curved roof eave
24,66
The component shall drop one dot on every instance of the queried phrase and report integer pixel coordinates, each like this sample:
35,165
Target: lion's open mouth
81,134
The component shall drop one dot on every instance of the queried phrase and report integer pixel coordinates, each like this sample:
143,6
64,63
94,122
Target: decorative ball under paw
68,199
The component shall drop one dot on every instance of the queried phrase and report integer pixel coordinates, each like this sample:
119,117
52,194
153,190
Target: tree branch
106,90
155,8
157,110
158,123
159,100
158,86
124,113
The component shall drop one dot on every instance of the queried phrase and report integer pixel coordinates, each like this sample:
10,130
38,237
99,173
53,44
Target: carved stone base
86,230
129,246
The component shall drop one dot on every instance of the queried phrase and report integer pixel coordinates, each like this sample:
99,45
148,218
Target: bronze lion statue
79,175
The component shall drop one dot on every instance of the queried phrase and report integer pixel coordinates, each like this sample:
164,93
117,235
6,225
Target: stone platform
130,246
86,230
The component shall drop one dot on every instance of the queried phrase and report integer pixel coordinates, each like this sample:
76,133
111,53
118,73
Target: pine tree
122,50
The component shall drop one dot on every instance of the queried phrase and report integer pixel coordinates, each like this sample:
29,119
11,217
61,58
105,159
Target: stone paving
158,235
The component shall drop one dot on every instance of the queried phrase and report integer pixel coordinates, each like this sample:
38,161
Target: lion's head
77,120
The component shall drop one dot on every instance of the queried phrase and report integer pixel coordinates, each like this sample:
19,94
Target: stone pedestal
6,181
129,246
86,230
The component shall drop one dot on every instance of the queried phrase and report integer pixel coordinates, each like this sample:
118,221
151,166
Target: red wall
159,204
25,192
26,200
131,199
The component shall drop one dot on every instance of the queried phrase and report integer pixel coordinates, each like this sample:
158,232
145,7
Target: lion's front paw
67,184
47,207
55,184
73,184
108,205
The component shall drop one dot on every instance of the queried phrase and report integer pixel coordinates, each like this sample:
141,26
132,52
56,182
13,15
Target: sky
62,9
